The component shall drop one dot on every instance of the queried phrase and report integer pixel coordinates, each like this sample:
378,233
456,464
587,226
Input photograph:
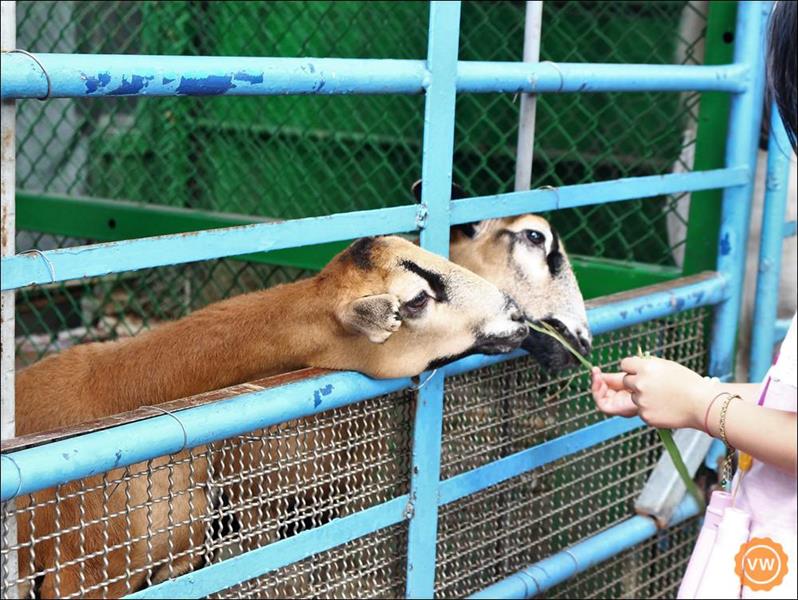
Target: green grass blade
673,451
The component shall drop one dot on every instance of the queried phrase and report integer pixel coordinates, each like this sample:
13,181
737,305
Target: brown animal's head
525,257
404,310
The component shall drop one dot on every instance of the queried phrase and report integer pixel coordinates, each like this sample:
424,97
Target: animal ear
376,317
458,193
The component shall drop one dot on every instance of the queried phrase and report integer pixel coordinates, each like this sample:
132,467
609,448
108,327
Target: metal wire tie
179,422
43,256
19,471
41,66
418,386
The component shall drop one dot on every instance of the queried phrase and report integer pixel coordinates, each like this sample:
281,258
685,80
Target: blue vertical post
741,146
436,172
763,330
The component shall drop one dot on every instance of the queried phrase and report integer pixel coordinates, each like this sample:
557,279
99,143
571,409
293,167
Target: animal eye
418,303
535,236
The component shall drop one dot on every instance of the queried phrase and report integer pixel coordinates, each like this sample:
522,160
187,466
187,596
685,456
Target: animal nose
582,340
515,312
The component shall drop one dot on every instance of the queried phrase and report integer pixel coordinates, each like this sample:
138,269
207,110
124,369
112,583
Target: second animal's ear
457,192
376,317
470,229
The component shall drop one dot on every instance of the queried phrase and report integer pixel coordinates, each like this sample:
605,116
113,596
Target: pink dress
766,493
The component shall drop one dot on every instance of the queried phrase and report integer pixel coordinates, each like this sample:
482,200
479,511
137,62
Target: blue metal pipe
763,335
100,259
100,75
741,147
128,255
469,210
436,171
518,77
216,577
563,565
521,462
32,469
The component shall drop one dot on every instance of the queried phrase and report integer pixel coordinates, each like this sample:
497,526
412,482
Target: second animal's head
525,257
404,310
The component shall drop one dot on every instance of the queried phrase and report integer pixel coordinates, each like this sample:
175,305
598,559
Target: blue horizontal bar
517,77
100,75
789,229
634,310
469,210
100,451
127,255
511,466
254,563
563,565
101,259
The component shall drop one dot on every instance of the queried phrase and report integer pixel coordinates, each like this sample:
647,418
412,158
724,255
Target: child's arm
764,433
666,394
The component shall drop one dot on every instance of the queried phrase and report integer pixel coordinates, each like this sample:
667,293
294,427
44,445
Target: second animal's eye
535,237
417,304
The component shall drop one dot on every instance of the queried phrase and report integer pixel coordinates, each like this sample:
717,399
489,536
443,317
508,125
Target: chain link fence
284,157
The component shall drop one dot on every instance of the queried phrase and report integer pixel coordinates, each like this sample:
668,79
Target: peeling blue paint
134,86
322,83
679,304
117,457
725,245
94,83
623,313
242,76
65,455
324,391
212,85
167,80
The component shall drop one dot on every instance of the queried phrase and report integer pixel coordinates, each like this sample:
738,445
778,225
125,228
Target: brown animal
383,307
524,256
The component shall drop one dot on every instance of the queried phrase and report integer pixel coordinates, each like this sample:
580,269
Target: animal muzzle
550,353
506,337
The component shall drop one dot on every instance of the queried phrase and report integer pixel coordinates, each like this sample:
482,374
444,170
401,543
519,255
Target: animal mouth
551,354
495,344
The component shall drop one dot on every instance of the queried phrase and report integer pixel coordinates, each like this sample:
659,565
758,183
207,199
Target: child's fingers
619,404
632,364
614,380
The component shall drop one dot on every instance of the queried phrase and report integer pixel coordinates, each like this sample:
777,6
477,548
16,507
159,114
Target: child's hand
663,393
611,397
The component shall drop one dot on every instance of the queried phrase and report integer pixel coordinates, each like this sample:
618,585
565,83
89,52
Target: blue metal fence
440,77
768,329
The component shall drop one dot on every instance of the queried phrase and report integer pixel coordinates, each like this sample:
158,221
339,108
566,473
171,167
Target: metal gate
486,476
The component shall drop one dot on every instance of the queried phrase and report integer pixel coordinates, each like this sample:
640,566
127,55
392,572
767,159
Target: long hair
782,48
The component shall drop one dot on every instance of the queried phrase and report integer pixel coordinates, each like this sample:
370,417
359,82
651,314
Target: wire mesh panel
110,535
490,535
